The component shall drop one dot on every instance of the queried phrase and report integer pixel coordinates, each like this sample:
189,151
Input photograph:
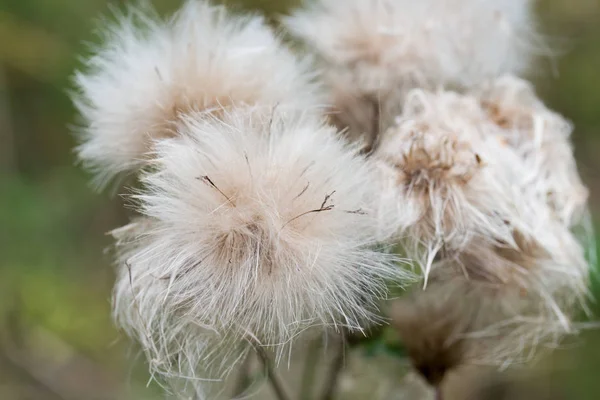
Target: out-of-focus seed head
148,74
541,137
373,52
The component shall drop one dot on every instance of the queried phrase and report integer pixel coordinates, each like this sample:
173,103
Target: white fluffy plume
258,225
482,201
374,50
541,138
149,73
448,177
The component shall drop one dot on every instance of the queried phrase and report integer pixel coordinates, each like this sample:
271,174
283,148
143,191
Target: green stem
310,369
331,382
243,380
276,382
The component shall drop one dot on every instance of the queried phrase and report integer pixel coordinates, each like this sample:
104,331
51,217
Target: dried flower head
255,226
377,49
458,321
149,73
448,177
541,138
431,330
556,209
462,197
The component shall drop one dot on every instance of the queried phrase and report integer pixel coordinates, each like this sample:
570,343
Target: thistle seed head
254,226
375,51
149,74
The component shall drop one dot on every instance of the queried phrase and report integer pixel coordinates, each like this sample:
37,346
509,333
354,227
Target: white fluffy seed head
447,177
556,206
471,176
150,73
541,138
258,225
376,50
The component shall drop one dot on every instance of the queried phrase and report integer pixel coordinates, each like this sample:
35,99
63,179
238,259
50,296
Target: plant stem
438,393
376,137
309,371
276,382
243,380
331,382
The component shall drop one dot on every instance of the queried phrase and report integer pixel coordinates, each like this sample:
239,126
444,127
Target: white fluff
256,226
469,180
458,321
149,73
541,138
375,50
448,178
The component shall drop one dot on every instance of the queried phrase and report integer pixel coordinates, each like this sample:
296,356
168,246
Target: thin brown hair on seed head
424,167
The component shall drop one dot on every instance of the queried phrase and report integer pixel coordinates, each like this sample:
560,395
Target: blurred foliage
55,271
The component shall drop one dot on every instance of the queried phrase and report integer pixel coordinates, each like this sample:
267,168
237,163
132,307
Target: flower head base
460,321
150,73
257,221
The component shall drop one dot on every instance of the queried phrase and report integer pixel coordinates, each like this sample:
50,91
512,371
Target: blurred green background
56,336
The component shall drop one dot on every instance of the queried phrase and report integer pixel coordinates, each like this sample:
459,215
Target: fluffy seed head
463,195
258,225
556,206
447,177
376,50
541,138
149,73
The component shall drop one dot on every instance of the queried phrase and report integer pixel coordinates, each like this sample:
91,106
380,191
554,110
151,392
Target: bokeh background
56,336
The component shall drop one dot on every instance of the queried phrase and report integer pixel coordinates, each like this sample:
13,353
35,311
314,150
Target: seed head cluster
374,51
148,74
255,220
